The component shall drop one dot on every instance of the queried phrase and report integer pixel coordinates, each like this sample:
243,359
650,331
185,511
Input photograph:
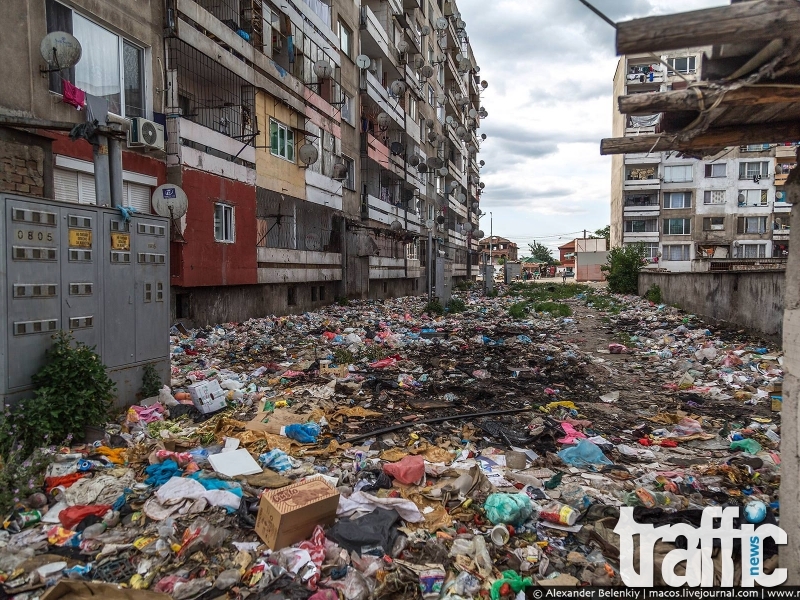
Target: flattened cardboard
289,515
84,590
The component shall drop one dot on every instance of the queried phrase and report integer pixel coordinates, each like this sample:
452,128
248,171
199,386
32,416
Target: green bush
343,301
151,384
654,294
622,269
518,310
73,391
456,305
434,307
21,475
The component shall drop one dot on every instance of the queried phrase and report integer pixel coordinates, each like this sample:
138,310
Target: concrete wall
752,300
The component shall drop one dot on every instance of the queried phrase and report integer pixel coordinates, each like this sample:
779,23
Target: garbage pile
376,451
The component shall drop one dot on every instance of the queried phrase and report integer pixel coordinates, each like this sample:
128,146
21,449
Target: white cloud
550,66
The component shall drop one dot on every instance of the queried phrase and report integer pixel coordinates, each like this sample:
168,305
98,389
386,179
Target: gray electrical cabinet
87,270
512,270
488,278
444,280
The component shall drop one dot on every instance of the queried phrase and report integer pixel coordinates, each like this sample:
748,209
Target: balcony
376,42
641,205
782,170
789,151
646,125
748,264
644,74
380,96
642,177
386,212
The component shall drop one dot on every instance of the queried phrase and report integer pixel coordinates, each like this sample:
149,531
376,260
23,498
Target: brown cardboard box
289,515
84,590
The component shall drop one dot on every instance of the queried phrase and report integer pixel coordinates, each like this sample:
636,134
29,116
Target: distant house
500,248
567,255
584,257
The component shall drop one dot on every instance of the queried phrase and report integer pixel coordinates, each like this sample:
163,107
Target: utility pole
491,241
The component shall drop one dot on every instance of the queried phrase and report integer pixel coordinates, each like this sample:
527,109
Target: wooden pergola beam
758,21
689,100
722,137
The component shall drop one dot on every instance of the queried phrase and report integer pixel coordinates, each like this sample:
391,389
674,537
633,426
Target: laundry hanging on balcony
645,121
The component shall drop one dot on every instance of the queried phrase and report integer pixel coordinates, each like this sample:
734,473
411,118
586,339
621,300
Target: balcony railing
748,264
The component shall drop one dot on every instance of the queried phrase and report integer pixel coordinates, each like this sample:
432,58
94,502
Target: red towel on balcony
73,95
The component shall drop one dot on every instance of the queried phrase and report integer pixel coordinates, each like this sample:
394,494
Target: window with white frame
78,187
348,115
678,173
713,223
641,225
440,185
411,107
675,252
440,76
677,200
753,251
412,250
686,65
749,170
223,223
440,113
349,181
714,197
755,147
110,67
345,39
650,250
752,225
431,96
716,170
753,198
677,226
281,140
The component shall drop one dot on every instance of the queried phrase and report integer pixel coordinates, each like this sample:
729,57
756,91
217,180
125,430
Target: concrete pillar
115,171
790,423
102,183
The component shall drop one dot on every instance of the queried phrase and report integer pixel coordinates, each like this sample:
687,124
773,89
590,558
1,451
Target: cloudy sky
550,66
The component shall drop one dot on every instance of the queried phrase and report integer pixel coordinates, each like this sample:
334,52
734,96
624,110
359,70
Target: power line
598,13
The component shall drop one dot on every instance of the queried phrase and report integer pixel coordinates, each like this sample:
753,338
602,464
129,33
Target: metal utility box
444,280
87,270
488,278
512,270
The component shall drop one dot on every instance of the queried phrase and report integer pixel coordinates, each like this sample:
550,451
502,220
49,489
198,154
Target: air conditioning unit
145,134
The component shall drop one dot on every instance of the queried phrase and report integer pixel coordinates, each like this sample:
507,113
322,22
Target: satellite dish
441,24
459,57
467,227
473,113
481,185
430,223
396,225
443,172
482,163
402,46
398,87
60,50
323,69
441,98
779,195
429,123
450,120
459,97
453,185
482,113
432,137
363,61
477,69
475,206
439,58
440,219
422,168
479,234
426,30
339,171
483,136
426,71
384,121
396,148
462,197
741,198
308,153
472,149
419,61
414,160
170,200
443,43
484,84
461,132
434,162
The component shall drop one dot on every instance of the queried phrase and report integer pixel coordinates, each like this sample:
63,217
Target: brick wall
21,168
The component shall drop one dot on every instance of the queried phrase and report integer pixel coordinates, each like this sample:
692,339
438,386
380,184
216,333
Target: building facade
496,247
321,143
694,215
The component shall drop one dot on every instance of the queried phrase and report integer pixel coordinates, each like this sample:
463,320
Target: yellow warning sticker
80,238
121,241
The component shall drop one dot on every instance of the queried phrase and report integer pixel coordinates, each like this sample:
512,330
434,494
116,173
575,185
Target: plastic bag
482,559
584,454
511,578
686,427
275,459
305,433
409,470
513,509
746,445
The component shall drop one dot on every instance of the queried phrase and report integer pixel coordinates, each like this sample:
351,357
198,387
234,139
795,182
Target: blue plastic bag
513,509
277,460
305,433
584,454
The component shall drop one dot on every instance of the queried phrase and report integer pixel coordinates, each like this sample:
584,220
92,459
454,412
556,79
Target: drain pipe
115,171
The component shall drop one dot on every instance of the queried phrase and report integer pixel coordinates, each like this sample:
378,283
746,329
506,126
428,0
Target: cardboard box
289,515
84,590
207,396
340,372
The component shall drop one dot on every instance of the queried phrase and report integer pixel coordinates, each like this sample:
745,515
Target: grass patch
456,305
343,301
653,294
434,308
519,310
602,302
554,308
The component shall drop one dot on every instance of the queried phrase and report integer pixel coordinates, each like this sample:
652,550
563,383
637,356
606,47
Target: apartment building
693,215
318,141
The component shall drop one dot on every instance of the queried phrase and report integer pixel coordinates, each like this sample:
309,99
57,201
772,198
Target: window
322,9
641,225
440,113
440,185
411,107
345,39
714,197
431,95
752,225
412,250
347,109
641,173
291,296
753,198
678,200
713,223
677,174
78,186
752,251
676,252
110,66
716,170
650,249
755,147
281,140
223,223
349,181
685,65
677,226
750,170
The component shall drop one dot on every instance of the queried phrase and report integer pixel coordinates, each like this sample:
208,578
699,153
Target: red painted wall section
202,261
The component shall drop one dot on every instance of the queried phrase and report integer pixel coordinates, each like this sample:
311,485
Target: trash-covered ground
377,451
